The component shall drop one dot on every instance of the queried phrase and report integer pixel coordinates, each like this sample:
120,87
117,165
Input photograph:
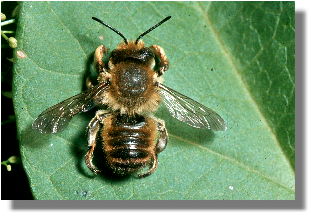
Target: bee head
133,51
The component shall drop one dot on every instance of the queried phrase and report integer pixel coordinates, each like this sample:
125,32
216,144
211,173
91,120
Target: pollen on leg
98,58
160,53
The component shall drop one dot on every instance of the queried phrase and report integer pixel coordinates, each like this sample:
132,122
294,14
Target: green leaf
234,57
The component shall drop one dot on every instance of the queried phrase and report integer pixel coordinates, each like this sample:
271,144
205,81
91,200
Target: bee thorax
132,81
132,89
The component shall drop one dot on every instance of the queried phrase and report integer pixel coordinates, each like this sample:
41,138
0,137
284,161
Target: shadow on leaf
32,138
184,131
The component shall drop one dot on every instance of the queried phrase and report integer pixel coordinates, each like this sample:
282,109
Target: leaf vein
235,70
68,29
238,163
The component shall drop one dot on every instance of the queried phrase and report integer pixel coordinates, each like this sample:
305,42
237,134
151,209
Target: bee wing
57,117
191,112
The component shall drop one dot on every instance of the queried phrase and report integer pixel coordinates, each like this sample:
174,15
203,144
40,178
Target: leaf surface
236,58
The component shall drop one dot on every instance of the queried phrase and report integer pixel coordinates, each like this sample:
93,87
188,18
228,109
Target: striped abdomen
129,142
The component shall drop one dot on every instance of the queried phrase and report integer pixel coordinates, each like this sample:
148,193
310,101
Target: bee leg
163,136
93,129
99,54
88,83
160,146
161,56
98,58
101,115
153,167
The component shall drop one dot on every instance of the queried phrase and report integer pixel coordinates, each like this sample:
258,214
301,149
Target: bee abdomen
128,143
127,160
127,148
128,154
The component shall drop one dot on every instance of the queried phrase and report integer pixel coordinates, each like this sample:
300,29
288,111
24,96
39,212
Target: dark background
14,184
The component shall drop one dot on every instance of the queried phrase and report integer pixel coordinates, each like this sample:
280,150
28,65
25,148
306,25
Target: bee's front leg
161,57
99,55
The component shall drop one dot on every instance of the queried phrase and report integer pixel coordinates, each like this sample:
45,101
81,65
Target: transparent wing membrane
191,112
57,117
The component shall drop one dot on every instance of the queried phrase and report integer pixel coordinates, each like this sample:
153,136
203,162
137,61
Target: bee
130,85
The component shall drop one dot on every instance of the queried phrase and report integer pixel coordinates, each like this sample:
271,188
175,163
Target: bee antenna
113,29
152,28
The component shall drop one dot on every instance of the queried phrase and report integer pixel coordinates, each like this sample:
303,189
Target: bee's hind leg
163,136
153,167
93,128
160,146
